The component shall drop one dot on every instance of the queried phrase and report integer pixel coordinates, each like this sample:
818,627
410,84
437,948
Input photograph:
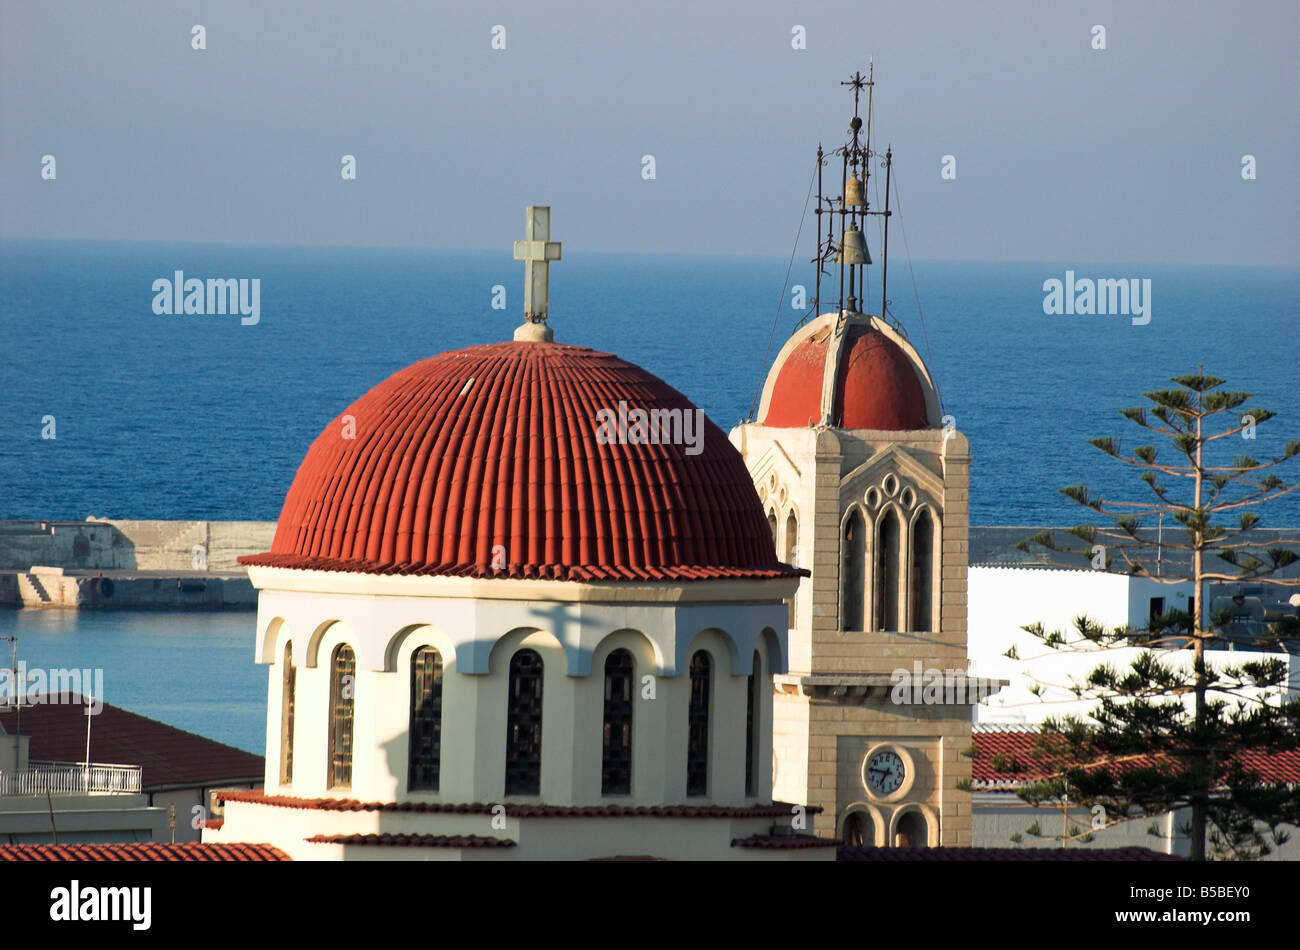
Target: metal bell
855,248
853,194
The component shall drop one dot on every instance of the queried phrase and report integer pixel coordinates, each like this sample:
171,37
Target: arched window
754,709
859,830
771,526
912,831
524,725
791,556
886,585
923,572
343,683
853,571
697,742
288,682
425,755
616,756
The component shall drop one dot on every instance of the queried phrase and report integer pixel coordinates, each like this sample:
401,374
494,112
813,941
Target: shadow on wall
124,545
78,545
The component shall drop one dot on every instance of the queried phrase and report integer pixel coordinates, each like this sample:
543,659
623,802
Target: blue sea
193,670
200,417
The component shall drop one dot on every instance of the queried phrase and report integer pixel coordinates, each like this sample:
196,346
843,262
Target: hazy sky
1063,153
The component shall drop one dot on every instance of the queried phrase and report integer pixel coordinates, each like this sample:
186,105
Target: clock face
885,772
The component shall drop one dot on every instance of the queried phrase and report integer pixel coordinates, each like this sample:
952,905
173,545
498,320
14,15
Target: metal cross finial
858,82
537,251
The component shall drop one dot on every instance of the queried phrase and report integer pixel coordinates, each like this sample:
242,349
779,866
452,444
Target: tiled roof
876,386
775,810
416,841
629,857
1016,743
189,851
784,842
857,852
495,449
167,756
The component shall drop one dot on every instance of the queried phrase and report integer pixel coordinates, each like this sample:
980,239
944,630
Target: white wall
476,637
1002,600
998,815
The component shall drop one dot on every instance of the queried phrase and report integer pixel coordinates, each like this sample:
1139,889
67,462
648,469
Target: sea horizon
185,417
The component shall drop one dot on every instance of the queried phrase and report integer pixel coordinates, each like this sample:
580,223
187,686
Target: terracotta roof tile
848,852
775,810
629,857
416,841
784,842
167,756
1016,744
495,449
143,851
876,386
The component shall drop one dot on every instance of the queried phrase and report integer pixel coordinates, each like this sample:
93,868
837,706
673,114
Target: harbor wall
129,564
132,545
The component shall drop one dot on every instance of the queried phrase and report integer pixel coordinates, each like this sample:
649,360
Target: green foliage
1079,493
1085,532
1258,415
1171,400
1219,402
1043,540
1199,382
1106,444
1164,734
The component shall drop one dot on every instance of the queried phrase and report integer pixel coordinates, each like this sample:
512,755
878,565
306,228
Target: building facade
862,485
865,482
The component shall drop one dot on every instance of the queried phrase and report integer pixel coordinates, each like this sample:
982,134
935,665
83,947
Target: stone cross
537,252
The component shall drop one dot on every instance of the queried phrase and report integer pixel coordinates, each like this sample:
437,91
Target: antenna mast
854,196
852,207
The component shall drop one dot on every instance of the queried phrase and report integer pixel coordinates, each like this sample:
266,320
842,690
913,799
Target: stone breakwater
128,564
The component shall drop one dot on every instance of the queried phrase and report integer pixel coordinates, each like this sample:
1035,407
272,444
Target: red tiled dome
497,445
877,385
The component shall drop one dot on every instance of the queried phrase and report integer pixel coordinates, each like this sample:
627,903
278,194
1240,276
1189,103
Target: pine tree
1145,748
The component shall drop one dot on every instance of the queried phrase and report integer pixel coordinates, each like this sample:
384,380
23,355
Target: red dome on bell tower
854,372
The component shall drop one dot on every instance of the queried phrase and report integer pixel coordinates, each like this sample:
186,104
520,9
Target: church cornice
520,810
864,689
746,590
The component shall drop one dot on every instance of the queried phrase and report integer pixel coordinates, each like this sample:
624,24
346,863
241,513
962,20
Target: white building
43,800
161,792
1002,600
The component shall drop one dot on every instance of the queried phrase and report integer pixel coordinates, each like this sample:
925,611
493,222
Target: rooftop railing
72,778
